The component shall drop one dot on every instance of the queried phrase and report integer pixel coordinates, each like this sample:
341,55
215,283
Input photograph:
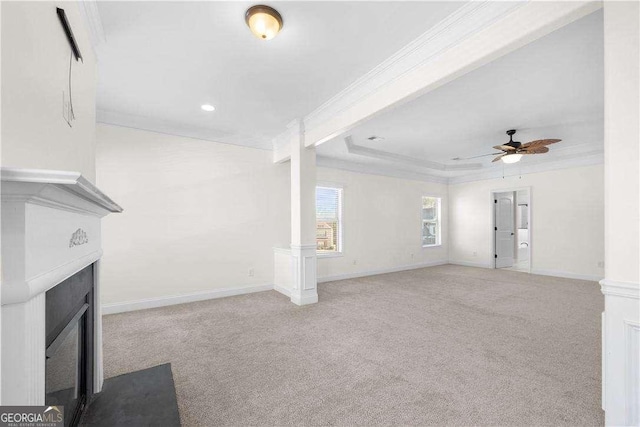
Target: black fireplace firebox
70,344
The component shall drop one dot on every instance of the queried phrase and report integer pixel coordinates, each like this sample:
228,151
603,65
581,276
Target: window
328,220
430,221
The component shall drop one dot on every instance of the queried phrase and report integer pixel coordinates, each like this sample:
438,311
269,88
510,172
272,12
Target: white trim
471,264
551,273
284,291
304,299
631,369
379,170
438,221
164,127
381,271
620,289
279,250
340,242
594,157
73,182
469,19
603,346
303,247
45,281
98,359
578,159
91,14
328,254
566,275
515,190
143,304
388,156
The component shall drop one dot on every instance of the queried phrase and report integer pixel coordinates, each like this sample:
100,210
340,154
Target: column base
305,283
621,353
304,300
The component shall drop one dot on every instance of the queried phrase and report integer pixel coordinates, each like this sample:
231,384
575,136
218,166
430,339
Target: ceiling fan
513,151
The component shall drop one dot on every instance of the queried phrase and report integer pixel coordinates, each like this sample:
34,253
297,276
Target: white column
303,218
621,285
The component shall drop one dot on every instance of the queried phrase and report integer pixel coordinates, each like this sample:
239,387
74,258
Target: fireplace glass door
65,381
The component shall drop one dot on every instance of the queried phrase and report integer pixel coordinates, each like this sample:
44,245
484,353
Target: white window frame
438,221
340,240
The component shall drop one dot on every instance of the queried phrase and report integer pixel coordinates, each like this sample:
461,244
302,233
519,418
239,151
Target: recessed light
375,138
208,107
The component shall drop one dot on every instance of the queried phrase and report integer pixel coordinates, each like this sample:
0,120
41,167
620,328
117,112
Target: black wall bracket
69,32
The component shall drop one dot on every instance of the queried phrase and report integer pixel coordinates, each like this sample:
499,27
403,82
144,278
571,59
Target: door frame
493,222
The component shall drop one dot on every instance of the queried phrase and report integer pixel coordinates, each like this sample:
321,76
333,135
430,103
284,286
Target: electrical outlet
475,254
251,272
411,256
355,262
601,264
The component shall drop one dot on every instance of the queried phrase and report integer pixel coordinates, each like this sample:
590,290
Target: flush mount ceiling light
264,22
208,107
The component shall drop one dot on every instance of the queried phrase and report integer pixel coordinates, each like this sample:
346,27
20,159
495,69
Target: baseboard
376,272
566,275
553,273
471,264
284,291
121,307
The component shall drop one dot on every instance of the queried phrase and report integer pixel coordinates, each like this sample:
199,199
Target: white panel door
504,229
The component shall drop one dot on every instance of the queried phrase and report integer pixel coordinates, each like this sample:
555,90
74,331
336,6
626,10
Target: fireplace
69,339
51,318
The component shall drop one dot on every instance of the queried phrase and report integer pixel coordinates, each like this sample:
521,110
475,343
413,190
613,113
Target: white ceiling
162,60
551,88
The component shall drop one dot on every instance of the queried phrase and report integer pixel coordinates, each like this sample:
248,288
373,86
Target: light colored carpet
442,345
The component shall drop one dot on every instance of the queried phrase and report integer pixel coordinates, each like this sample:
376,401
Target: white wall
197,214
567,221
382,224
35,72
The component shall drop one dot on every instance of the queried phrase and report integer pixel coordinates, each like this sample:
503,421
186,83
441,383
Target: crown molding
469,19
93,21
587,158
162,126
380,170
352,148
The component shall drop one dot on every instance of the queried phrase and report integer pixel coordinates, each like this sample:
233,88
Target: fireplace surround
50,311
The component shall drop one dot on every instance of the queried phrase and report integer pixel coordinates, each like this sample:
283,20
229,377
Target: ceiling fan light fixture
264,22
512,158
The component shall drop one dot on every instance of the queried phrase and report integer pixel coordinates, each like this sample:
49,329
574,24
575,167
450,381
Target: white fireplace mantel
50,231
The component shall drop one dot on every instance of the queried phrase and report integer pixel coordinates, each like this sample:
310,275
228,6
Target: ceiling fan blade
475,157
504,148
498,158
535,150
540,143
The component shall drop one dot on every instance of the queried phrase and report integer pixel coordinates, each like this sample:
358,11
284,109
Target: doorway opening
512,229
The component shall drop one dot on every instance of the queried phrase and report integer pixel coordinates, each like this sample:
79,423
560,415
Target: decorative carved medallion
79,237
